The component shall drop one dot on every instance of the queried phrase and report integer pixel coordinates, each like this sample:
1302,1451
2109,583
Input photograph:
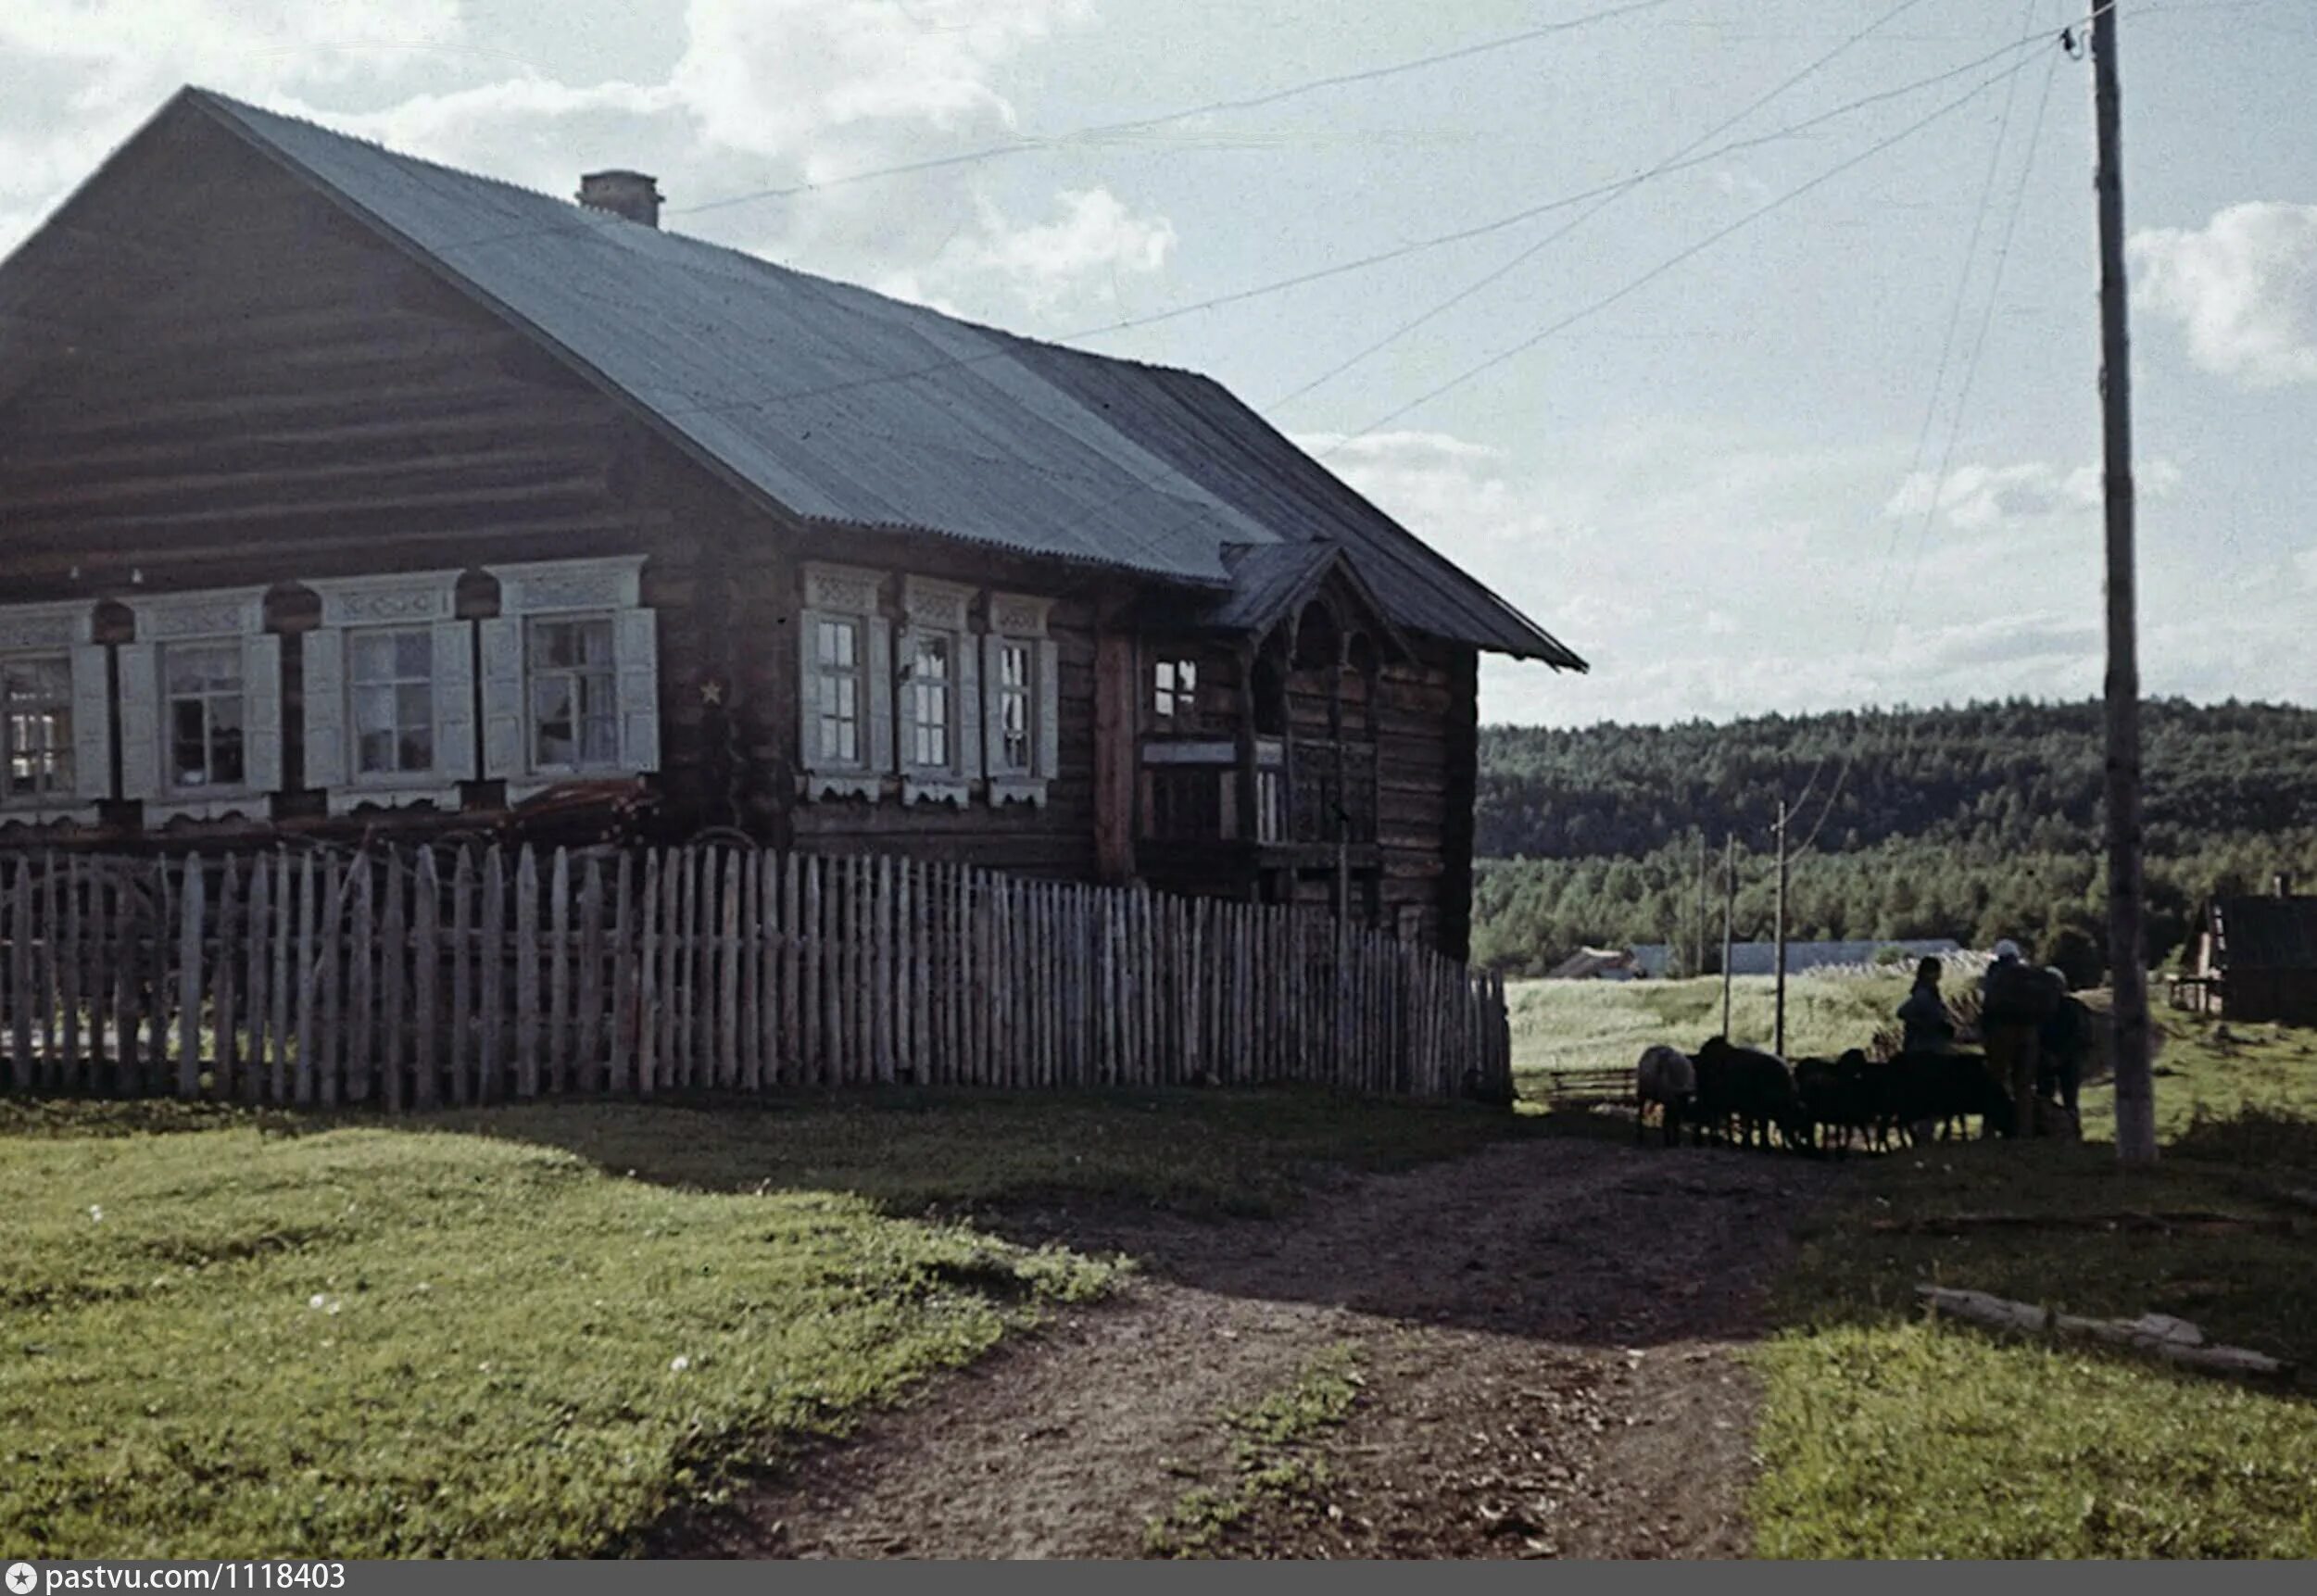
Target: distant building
1596,964
2257,958
1655,960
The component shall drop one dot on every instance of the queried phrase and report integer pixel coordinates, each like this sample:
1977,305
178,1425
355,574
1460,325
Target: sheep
1840,1097
1754,1088
1664,1076
1927,1089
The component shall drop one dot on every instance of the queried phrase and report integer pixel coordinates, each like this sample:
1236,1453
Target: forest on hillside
1974,823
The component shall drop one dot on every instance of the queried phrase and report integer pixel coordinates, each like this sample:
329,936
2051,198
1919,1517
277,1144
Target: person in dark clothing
1929,1027
2061,1042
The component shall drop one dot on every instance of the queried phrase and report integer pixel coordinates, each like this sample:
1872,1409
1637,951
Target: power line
1637,283
1971,372
1442,306
1212,107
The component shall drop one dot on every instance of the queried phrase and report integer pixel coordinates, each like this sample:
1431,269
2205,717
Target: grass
1273,1465
1601,1025
536,1332
1888,1436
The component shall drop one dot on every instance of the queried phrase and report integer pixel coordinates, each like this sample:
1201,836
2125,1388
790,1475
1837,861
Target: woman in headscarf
1929,1027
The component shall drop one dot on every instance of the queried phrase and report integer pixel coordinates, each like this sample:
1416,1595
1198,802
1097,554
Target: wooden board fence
416,979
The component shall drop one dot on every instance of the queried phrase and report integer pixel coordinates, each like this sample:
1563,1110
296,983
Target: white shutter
993,711
327,760
636,654
967,748
808,695
454,701
261,712
502,697
1047,689
140,721
91,725
881,674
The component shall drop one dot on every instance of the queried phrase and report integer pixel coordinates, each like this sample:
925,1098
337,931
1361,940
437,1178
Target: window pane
414,655
835,645
188,748
1014,666
932,658
373,710
374,753
551,644
416,749
595,642
599,744
551,700
848,741
372,657
414,706
225,741
1187,676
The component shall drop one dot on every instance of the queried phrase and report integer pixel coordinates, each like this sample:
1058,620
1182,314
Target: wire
1636,284
1971,372
1140,124
1442,306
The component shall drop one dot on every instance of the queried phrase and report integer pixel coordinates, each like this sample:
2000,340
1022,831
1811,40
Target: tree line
1975,822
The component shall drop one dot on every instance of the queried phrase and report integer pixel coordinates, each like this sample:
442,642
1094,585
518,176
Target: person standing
1929,1028
2015,1000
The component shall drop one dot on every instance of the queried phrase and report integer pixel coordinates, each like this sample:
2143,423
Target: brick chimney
629,194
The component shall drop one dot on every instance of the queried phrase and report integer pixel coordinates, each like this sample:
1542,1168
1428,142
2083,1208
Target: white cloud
1094,240
764,94
2244,287
2307,561
1977,497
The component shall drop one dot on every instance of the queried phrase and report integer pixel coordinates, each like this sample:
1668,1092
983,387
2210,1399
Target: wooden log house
345,494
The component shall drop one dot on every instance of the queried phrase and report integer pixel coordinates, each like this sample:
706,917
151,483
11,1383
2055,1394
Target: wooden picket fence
417,978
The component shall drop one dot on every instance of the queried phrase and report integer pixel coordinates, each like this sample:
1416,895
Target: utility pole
1728,913
2127,961
1697,937
1779,1045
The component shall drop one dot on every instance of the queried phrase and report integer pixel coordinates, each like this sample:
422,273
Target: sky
1796,409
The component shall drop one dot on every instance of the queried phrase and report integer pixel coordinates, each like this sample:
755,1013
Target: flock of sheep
1757,1099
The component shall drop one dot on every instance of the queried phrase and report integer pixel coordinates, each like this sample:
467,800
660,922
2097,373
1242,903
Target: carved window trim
850,597
206,618
1019,621
606,587
65,632
934,614
351,608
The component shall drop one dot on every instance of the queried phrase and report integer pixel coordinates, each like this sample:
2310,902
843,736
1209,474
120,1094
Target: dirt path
1546,1331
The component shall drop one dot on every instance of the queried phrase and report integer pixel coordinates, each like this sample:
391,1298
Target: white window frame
608,588
66,631
1019,621
938,610
852,596
354,605
212,617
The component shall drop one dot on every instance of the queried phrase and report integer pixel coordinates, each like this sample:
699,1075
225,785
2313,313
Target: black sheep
1755,1089
1928,1088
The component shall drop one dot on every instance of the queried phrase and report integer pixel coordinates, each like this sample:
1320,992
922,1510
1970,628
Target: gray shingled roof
844,406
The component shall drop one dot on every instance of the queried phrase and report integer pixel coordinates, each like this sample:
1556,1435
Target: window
1176,694
201,707
942,724
844,685
837,690
389,691
1021,678
1012,695
36,728
571,674
55,714
391,675
574,709
931,701
204,716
